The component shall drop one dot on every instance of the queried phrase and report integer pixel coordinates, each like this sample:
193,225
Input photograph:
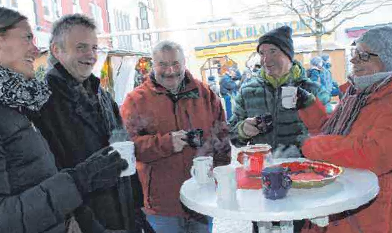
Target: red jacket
150,116
367,146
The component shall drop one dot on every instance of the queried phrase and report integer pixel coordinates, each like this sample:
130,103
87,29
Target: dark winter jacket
259,97
34,198
77,121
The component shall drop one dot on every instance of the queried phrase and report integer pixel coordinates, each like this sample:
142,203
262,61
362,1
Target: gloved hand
99,171
264,123
304,98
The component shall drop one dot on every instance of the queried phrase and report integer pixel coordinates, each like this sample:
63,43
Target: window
52,9
144,20
76,7
96,14
122,23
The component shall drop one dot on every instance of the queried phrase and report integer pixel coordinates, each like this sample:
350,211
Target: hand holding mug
264,123
179,140
250,127
304,98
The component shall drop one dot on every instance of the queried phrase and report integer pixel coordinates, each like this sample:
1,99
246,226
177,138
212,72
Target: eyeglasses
363,56
165,66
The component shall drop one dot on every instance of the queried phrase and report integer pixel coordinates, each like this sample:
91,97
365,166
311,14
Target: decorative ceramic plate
311,174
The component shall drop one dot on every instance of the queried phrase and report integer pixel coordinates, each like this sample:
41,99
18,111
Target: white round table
350,190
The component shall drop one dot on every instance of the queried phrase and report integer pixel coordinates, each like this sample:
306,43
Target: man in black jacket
80,117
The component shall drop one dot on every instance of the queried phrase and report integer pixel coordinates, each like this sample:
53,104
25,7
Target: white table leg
285,227
264,227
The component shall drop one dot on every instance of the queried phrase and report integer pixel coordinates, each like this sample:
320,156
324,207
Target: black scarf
16,91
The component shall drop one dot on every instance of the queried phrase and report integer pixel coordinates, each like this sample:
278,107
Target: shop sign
254,31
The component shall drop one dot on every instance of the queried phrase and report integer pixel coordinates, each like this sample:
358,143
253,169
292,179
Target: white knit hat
379,41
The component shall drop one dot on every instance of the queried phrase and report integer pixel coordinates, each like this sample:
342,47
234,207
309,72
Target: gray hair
168,46
9,18
62,26
379,42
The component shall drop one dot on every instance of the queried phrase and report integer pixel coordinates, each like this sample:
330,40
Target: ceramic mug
276,182
226,190
202,169
289,97
127,151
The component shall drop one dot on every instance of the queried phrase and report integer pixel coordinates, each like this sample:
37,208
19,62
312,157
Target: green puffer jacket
259,96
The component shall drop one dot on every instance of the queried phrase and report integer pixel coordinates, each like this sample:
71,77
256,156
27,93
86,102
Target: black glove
264,123
98,172
304,98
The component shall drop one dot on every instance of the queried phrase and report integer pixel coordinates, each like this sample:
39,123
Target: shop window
122,23
144,20
96,14
52,9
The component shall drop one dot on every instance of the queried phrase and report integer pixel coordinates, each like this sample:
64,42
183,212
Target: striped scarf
343,118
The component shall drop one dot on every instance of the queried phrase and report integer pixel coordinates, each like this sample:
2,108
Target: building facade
126,19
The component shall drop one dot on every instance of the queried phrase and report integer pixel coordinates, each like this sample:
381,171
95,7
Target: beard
178,76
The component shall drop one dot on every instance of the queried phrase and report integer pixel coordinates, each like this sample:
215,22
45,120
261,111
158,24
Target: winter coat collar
66,84
62,82
16,91
362,82
296,74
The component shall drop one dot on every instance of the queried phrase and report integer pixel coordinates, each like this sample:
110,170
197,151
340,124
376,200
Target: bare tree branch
340,11
300,17
354,16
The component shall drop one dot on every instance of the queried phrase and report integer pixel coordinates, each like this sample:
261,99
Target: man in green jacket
262,96
259,116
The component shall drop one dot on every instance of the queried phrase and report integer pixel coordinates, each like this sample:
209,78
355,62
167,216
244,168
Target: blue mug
276,182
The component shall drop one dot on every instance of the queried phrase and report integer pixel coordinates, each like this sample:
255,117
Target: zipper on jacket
275,114
175,107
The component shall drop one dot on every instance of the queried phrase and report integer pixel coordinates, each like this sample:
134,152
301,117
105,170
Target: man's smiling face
78,52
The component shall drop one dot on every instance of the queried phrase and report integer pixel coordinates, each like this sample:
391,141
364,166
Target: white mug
289,97
226,191
202,169
127,151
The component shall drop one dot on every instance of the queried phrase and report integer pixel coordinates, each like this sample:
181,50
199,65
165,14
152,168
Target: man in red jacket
158,114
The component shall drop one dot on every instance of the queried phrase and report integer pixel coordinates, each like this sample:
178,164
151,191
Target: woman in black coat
34,196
